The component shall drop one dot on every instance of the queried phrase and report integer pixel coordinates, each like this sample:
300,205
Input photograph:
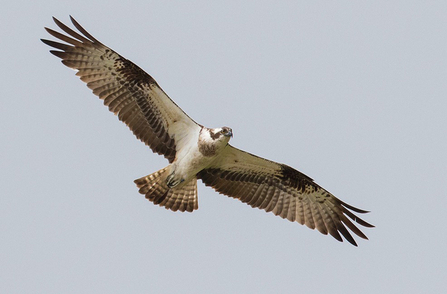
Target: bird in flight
193,150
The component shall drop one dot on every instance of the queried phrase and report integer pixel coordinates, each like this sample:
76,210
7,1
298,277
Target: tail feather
155,189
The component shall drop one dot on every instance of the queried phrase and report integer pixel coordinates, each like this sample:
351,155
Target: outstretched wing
282,190
126,89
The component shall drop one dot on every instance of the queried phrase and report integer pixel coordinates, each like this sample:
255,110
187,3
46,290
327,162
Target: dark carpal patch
295,179
211,175
132,73
125,88
133,78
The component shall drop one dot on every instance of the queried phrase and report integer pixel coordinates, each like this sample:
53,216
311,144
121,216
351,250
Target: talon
171,182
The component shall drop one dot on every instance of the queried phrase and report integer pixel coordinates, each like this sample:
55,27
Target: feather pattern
282,190
196,152
126,89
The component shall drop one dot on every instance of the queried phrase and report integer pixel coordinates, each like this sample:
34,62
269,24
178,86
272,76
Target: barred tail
156,190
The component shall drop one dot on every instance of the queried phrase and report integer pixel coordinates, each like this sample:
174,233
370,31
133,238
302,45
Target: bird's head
227,132
220,134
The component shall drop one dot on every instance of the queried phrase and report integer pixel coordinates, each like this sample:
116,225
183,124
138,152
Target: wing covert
129,92
286,192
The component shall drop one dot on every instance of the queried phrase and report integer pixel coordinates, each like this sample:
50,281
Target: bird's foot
172,182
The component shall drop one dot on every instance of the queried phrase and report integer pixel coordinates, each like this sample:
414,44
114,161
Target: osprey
194,151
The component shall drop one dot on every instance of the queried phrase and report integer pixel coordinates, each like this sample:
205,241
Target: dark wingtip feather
358,210
342,229
56,45
59,23
352,227
356,218
71,32
334,233
55,19
363,223
64,37
84,31
59,54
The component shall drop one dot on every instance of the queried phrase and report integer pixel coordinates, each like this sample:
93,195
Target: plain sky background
352,93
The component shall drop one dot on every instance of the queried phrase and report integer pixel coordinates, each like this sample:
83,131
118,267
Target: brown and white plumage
194,151
126,89
282,190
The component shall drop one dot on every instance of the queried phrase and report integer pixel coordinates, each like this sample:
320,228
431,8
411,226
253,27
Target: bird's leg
172,182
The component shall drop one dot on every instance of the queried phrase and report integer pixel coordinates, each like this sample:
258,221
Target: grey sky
352,94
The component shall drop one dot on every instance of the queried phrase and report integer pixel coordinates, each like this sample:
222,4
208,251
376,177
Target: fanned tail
155,189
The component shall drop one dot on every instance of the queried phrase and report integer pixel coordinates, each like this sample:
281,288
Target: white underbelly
189,163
